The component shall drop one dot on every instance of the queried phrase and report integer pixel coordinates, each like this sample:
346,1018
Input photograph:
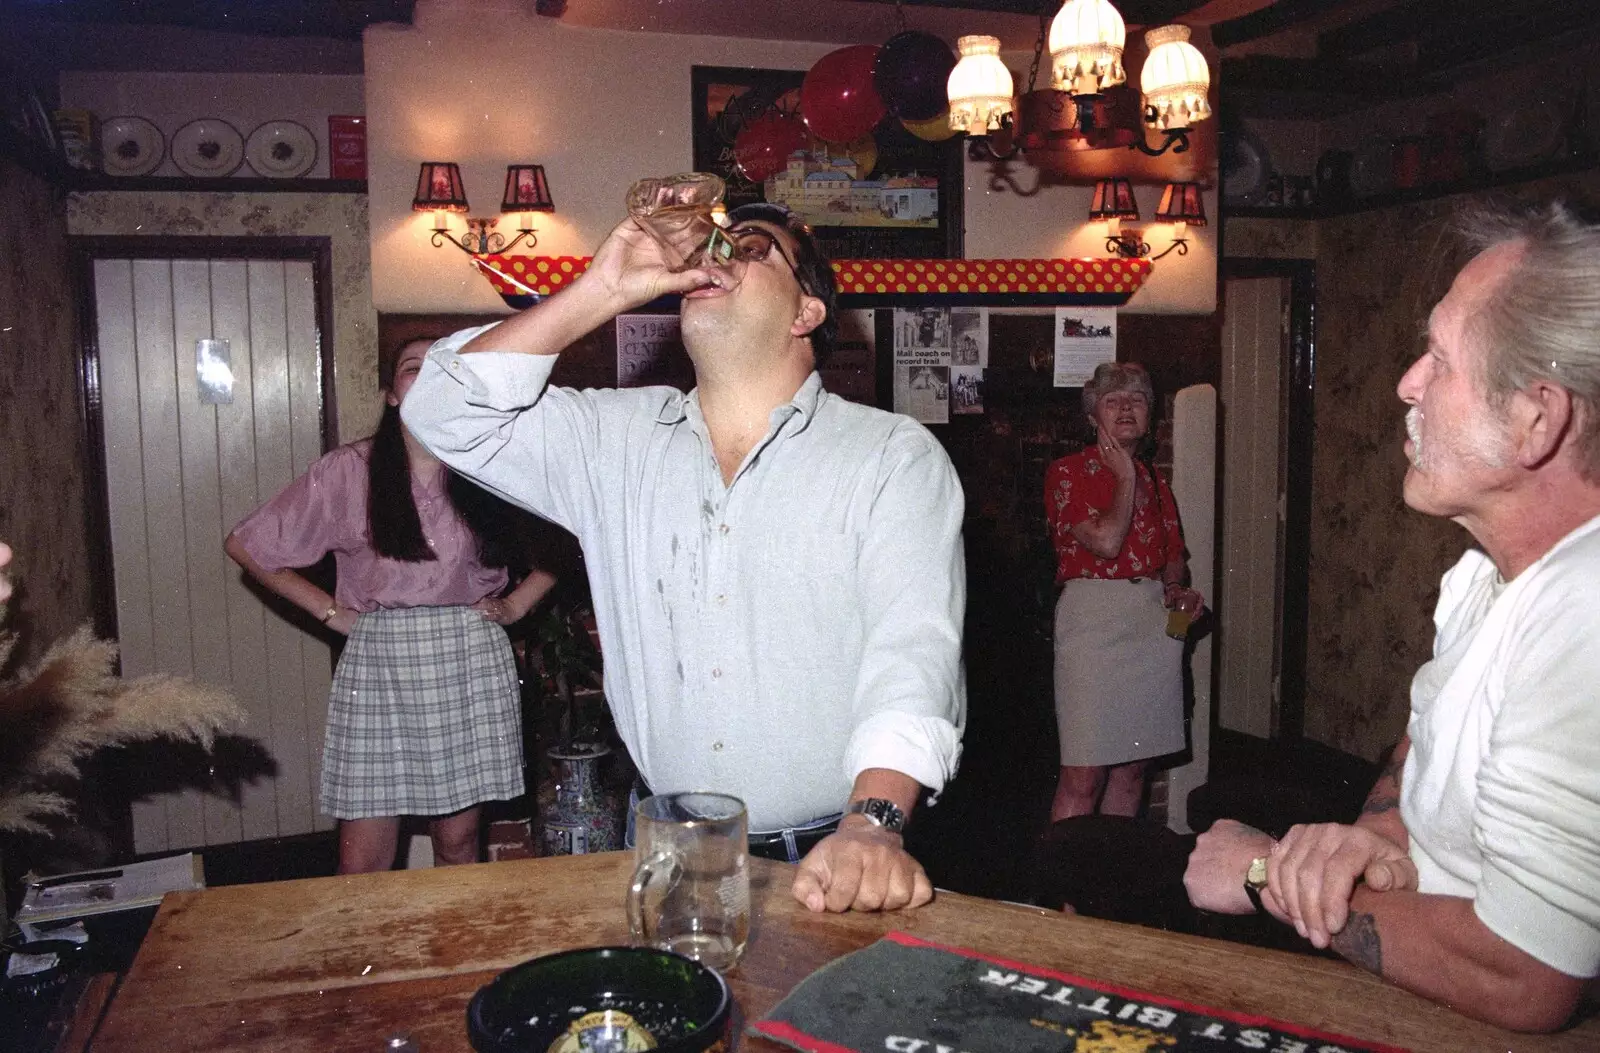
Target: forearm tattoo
1385,795
1358,942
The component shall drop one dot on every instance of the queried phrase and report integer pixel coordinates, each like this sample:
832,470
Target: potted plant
578,813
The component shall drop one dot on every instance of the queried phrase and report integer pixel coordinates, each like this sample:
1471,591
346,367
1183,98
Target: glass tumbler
678,212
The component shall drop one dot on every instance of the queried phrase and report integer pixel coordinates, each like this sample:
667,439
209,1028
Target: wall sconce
440,191
1183,207
1113,203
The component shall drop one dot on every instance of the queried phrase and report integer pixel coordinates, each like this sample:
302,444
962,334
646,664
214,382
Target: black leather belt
773,846
768,846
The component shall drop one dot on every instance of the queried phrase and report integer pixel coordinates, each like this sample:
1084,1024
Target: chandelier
1086,40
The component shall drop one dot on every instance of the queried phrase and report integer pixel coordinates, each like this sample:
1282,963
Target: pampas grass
71,704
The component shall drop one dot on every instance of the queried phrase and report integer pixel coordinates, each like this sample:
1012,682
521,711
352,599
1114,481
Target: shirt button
721,599
723,528
716,674
716,747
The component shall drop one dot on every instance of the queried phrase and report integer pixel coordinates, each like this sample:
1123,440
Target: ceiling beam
1135,12
1269,20
1451,33
337,19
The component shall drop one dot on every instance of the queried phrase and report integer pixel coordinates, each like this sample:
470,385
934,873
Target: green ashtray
602,1000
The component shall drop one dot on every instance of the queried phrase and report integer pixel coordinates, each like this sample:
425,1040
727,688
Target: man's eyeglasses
753,244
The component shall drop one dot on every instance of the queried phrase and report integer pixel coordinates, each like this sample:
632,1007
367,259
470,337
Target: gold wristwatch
1255,879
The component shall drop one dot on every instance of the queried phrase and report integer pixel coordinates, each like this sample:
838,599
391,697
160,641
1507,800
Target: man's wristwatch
1255,879
879,812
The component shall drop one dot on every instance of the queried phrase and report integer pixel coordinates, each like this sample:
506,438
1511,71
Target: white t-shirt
1501,791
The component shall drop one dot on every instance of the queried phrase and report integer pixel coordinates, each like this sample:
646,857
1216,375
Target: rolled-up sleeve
1537,822
471,411
324,510
910,701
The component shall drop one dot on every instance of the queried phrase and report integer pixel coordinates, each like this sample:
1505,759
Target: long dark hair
393,525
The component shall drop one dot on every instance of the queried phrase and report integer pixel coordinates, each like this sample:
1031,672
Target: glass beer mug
691,881
678,212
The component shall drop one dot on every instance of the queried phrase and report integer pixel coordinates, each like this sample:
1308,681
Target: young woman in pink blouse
1120,568
424,717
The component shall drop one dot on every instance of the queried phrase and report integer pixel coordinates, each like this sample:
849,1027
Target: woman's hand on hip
498,610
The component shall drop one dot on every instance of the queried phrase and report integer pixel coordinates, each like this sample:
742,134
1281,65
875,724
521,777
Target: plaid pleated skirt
424,716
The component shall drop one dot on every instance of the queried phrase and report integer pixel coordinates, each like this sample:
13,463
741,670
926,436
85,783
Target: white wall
488,83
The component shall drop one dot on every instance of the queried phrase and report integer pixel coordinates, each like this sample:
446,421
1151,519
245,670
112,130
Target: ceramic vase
580,817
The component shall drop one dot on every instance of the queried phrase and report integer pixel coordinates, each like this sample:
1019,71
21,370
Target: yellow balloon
864,152
934,129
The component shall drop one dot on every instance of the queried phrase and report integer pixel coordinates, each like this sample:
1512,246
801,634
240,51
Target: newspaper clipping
922,363
1085,337
969,357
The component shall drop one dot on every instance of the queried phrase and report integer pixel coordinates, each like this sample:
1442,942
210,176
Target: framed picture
889,195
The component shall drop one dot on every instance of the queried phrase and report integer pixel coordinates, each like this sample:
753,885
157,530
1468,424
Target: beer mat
912,996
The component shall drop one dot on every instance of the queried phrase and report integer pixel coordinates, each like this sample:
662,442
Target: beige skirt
1118,675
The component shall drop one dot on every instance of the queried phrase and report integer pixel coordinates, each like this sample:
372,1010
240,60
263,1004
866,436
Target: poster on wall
1085,337
650,351
966,389
969,336
851,371
922,363
890,193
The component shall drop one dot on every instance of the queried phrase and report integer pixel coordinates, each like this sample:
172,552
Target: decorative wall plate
281,150
1372,170
1246,166
130,146
207,147
1530,132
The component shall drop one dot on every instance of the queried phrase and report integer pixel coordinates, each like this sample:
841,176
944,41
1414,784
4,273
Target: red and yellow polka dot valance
867,283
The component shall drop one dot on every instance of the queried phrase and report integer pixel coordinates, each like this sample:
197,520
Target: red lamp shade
526,190
439,188
1113,199
1181,203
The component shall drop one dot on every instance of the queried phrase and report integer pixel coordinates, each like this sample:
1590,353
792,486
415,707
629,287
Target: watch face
885,813
1257,874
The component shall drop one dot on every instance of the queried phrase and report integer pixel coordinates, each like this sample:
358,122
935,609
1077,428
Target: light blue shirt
769,638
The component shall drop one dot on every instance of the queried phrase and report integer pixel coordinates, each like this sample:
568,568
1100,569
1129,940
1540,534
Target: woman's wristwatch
331,613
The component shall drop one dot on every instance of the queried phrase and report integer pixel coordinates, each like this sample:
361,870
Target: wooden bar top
342,963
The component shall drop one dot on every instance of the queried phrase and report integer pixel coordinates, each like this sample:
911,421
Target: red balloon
838,99
763,146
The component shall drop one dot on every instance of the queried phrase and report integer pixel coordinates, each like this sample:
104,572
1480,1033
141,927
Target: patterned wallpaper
1276,239
43,476
339,217
1375,565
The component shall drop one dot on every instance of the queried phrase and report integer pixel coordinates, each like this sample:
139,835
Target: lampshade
526,190
1175,79
1113,200
979,87
439,188
1086,42
1181,203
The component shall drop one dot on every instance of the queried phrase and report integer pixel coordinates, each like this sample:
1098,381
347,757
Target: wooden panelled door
181,470
1254,348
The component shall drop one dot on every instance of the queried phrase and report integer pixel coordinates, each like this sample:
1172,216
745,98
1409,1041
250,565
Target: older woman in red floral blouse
1120,567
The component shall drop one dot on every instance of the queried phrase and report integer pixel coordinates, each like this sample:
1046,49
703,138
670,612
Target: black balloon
911,75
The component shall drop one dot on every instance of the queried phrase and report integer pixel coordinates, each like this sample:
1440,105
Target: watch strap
879,811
